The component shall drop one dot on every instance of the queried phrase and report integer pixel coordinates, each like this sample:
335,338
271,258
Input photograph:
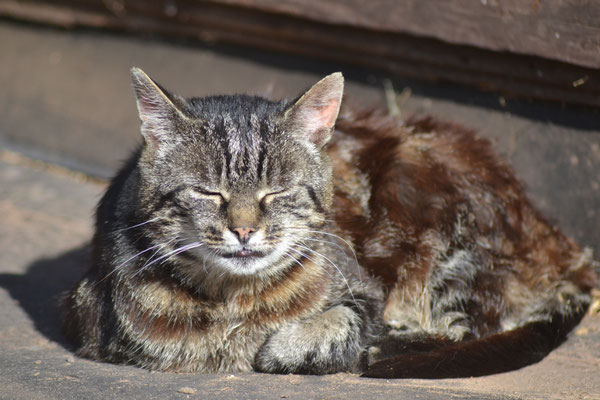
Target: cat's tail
430,357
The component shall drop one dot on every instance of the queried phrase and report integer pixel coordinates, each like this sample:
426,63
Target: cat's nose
244,233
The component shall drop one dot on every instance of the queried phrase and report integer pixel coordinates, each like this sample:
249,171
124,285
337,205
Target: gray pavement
66,100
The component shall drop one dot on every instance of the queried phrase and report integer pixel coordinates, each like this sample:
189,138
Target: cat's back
420,172
413,196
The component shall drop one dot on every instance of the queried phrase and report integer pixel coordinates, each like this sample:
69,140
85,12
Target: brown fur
172,313
456,274
426,177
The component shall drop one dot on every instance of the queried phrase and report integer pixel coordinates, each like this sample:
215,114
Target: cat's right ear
156,110
314,114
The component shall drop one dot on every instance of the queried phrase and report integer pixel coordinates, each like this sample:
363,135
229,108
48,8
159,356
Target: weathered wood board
548,50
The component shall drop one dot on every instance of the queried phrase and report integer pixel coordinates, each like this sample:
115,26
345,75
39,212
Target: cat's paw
325,343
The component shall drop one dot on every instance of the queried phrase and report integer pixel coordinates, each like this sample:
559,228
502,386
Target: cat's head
236,184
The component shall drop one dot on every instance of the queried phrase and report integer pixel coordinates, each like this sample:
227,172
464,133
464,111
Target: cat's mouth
245,253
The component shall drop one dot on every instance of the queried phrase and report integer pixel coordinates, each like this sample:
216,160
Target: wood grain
337,31
563,30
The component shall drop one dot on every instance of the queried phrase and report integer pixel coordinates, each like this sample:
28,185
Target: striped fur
248,234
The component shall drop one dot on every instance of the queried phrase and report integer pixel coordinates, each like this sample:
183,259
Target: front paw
325,343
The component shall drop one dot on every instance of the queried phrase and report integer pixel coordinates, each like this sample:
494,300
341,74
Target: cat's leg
328,342
325,343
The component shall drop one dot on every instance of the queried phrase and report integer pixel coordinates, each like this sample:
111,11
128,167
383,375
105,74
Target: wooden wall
530,48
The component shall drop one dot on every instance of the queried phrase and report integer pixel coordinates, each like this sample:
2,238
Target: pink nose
243,233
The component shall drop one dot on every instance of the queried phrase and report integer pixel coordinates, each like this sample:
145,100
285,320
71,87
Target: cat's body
236,239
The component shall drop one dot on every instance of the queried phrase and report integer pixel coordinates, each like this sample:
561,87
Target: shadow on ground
39,290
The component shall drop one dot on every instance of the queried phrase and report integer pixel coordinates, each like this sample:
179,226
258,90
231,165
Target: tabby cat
250,234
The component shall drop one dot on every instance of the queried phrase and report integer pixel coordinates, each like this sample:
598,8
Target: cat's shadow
39,289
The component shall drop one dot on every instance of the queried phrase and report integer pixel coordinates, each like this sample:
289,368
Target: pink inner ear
328,114
147,107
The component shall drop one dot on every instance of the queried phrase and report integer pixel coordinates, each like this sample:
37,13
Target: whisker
156,253
307,257
294,259
350,247
126,261
358,268
337,220
333,265
136,225
170,254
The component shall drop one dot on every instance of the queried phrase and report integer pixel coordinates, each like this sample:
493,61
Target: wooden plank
394,53
564,30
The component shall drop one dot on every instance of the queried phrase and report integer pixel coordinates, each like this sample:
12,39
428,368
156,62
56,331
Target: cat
278,236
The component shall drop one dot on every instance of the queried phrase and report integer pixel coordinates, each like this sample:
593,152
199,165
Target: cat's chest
219,335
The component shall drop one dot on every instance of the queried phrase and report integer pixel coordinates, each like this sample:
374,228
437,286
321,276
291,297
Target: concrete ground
68,118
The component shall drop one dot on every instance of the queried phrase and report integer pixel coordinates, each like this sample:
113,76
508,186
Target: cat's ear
156,109
313,115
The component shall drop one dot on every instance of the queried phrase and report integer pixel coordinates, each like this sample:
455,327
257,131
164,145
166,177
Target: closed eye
201,193
268,197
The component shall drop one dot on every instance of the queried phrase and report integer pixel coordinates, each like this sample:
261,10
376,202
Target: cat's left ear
313,115
156,108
